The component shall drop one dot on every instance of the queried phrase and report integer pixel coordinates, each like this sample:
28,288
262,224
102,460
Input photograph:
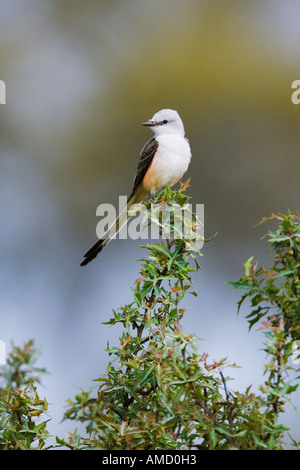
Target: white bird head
166,121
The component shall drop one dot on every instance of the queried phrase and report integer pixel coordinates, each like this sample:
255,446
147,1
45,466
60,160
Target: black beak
149,123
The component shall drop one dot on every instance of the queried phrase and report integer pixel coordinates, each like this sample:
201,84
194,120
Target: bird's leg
151,194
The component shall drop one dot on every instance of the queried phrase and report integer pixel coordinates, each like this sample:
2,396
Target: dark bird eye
165,121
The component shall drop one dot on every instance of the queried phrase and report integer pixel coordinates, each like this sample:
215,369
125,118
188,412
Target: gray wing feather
146,157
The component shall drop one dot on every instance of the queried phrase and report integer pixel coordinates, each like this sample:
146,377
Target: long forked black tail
93,252
137,197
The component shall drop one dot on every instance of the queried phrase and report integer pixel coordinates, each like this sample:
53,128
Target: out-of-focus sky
80,78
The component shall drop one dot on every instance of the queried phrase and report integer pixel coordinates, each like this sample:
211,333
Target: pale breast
169,164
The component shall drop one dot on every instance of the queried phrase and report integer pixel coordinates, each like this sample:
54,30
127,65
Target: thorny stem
228,403
232,441
150,302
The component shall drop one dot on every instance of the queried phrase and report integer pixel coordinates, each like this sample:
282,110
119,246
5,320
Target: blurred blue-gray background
81,76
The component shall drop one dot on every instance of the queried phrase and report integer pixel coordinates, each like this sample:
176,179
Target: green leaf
248,266
145,377
163,250
242,284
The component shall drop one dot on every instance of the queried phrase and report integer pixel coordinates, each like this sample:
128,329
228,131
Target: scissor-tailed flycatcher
163,161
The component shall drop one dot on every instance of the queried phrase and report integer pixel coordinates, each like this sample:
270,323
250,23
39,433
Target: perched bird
163,161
